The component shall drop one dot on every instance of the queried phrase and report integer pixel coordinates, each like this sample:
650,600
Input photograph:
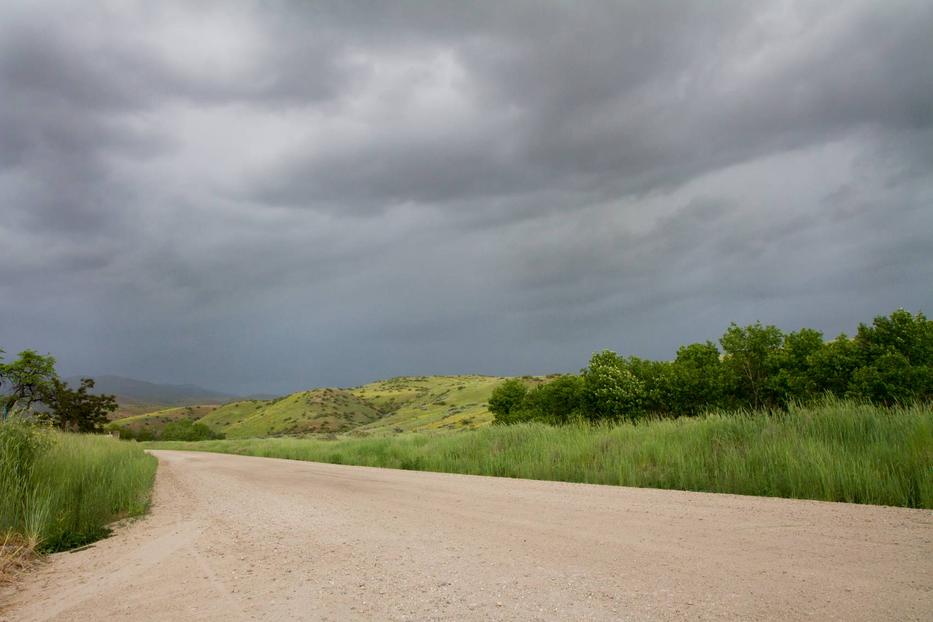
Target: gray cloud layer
268,196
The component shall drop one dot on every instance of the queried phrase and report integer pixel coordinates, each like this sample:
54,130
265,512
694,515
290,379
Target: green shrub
611,391
188,430
507,399
559,401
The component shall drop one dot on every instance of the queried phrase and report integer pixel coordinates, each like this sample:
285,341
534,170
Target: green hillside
403,404
306,412
419,403
233,413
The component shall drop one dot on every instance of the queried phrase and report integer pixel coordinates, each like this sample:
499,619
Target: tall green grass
832,451
61,490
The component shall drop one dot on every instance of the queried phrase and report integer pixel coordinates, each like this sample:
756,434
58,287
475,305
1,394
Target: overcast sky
268,196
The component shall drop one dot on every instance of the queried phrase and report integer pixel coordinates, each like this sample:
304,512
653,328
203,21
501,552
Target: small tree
559,401
611,391
901,332
897,359
25,380
695,380
749,355
831,367
506,400
76,410
791,379
891,379
654,376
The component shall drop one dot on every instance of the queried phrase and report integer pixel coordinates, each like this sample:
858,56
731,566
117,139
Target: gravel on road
234,538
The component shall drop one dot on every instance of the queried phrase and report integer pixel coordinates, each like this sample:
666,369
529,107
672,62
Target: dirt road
233,538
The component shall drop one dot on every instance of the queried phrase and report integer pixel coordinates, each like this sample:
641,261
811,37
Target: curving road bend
234,538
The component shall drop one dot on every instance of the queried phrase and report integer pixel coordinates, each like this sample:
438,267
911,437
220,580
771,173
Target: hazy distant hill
138,396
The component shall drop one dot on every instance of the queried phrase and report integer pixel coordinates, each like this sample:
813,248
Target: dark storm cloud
264,196
624,100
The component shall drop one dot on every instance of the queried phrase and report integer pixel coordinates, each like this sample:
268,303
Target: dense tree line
29,385
887,362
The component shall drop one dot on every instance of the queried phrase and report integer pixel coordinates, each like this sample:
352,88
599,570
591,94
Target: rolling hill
305,412
417,403
403,404
233,413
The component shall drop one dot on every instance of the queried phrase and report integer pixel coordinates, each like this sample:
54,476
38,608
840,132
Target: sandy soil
234,538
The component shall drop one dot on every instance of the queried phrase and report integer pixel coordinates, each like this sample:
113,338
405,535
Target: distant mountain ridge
135,396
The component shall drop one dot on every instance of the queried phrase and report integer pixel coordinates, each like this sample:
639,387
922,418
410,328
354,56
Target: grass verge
59,490
832,451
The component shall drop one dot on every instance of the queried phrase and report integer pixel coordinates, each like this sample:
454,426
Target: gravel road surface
235,538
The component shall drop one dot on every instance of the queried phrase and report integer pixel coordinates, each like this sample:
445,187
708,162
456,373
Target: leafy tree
506,401
25,380
891,379
749,353
791,366
76,410
611,391
831,367
559,401
909,335
695,380
880,383
896,355
654,377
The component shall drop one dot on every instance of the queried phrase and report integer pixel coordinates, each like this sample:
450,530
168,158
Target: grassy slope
231,414
836,451
421,403
127,408
155,421
306,412
406,404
